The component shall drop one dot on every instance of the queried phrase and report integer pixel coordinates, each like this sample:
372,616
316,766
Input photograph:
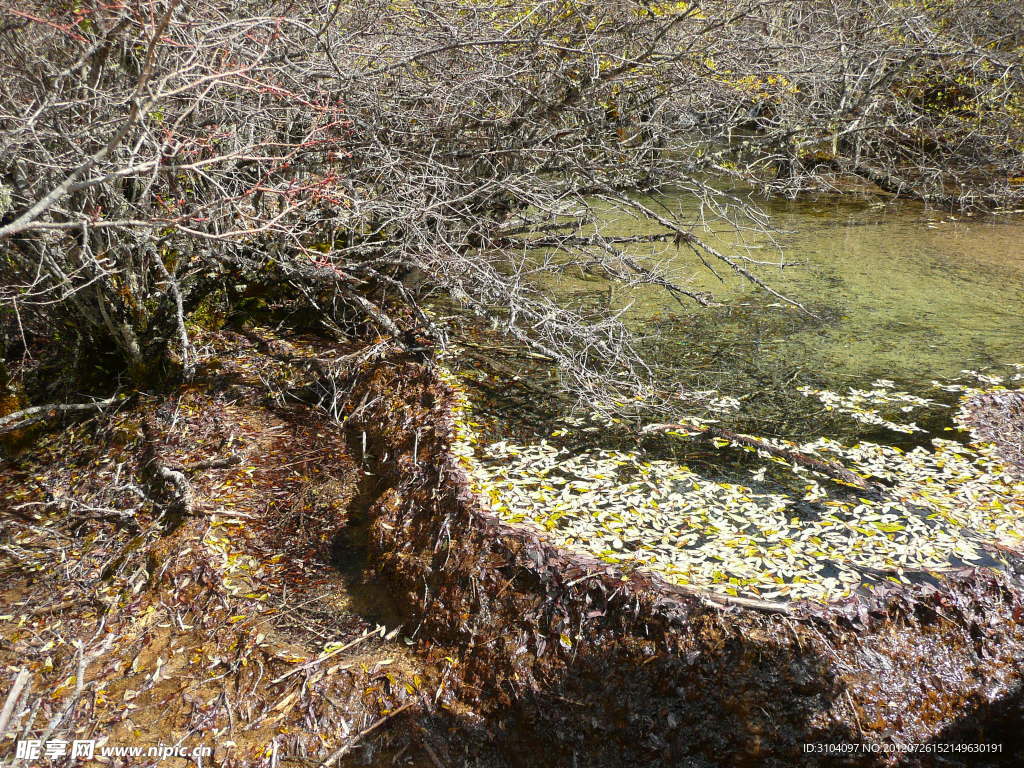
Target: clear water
901,294
904,293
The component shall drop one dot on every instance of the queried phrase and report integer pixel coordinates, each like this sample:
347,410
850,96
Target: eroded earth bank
289,561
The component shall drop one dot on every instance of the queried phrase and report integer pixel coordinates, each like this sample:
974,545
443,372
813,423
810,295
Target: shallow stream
904,293
905,307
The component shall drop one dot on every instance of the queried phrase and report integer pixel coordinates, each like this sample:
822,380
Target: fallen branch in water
719,600
833,469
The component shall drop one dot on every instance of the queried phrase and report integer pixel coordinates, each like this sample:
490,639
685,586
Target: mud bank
232,625
573,662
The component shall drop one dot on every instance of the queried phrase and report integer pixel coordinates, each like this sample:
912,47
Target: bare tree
922,99
495,137
154,154
147,150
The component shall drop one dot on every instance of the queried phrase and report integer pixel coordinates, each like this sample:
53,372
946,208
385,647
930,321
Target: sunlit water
902,295
908,294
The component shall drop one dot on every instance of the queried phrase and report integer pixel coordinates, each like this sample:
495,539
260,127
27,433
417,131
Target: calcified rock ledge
591,665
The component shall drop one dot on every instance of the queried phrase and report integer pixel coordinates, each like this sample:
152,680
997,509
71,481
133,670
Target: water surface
904,293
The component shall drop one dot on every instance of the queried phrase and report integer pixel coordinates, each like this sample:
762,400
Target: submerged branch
832,469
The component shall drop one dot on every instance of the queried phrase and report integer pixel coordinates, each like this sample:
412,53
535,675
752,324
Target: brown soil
186,628
144,625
